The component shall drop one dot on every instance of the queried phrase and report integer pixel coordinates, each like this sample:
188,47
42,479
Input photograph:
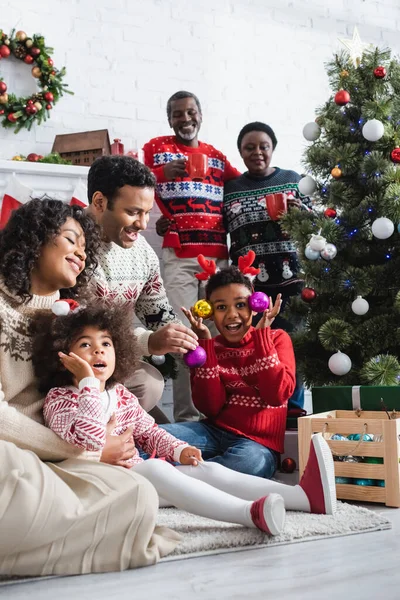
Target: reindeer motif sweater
194,208
245,388
131,277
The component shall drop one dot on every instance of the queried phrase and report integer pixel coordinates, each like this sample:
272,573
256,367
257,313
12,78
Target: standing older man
192,210
121,196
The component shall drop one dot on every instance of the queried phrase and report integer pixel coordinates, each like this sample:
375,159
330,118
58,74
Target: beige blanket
75,517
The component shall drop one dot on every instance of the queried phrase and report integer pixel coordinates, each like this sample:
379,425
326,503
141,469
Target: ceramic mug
276,205
197,166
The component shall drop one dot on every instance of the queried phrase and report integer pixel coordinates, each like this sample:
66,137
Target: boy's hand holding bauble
76,365
190,456
269,315
258,302
201,330
202,309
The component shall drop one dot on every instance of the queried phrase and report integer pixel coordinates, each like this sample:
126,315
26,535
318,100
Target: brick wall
246,60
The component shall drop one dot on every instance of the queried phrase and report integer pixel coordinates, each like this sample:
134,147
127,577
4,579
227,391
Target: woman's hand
201,330
269,315
76,365
294,202
190,456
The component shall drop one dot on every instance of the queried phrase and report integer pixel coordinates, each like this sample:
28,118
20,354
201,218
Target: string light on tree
373,130
340,363
311,131
360,306
382,228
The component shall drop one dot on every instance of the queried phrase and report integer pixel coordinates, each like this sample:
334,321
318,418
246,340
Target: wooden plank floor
360,567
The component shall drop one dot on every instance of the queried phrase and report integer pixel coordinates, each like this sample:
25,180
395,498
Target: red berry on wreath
12,118
30,101
4,51
31,109
50,62
49,97
3,87
380,72
35,51
52,73
28,59
49,106
2,112
342,97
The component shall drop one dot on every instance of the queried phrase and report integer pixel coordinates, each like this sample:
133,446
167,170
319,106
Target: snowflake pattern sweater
193,207
80,416
245,389
250,227
131,277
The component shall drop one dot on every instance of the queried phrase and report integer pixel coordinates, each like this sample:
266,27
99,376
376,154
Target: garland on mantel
23,112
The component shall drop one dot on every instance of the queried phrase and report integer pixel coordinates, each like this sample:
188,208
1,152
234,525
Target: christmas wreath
23,112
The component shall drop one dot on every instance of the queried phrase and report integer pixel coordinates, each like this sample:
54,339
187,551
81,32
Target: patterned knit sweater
80,416
21,419
193,207
131,277
245,389
250,227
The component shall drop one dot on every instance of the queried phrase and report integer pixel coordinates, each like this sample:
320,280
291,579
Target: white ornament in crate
317,242
373,130
382,228
311,131
263,274
307,186
311,254
329,252
360,306
286,272
339,363
157,360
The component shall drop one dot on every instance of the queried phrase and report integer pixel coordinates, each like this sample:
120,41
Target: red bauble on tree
308,294
4,51
380,72
342,97
330,213
3,87
395,155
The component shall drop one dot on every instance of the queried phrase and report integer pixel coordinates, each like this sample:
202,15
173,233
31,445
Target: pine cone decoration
37,97
20,52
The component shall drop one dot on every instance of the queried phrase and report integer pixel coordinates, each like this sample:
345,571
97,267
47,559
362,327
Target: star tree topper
355,47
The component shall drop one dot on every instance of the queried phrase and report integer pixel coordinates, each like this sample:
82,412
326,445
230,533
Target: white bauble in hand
329,252
311,254
382,228
263,274
339,363
286,272
311,131
360,306
157,360
317,242
373,130
307,186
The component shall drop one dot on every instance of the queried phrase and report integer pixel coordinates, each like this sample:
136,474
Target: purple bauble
258,302
195,358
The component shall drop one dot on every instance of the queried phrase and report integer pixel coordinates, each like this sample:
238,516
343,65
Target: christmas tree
349,245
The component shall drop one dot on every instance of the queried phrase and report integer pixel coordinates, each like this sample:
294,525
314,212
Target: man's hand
118,448
197,324
173,337
162,225
175,168
269,315
294,203
190,456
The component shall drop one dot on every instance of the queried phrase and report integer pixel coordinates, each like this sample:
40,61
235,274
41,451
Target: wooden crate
345,422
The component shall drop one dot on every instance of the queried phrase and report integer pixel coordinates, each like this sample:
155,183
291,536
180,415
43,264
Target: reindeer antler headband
244,265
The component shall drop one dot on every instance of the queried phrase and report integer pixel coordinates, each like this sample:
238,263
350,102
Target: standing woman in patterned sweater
251,227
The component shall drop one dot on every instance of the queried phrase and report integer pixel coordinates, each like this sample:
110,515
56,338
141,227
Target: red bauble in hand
308,294
288,465
342,97
380,72
330,213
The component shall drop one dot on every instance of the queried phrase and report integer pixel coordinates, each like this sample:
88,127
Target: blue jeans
226,448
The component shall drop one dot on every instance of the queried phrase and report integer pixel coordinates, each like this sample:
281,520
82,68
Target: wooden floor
359,567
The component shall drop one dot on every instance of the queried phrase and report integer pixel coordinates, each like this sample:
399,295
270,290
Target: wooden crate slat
361,470
359,492
343,448
363,414
346,426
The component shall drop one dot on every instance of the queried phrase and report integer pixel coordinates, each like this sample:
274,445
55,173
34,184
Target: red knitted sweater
193,207
245,389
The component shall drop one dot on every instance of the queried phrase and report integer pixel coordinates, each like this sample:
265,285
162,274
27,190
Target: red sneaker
268,514
318,481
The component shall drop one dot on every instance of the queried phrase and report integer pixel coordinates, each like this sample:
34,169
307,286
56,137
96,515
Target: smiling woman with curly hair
47,247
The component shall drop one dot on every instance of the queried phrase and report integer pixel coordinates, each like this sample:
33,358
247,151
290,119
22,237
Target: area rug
202,536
